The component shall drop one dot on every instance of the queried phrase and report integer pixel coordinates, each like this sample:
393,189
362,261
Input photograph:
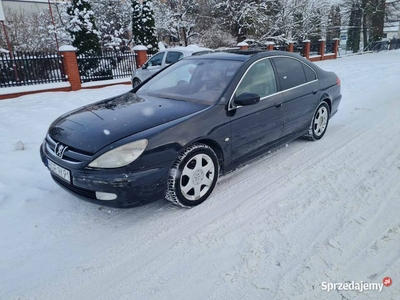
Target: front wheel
319,123
136,82
193,176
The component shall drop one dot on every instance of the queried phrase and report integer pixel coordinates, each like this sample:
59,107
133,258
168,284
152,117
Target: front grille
70,155
75,189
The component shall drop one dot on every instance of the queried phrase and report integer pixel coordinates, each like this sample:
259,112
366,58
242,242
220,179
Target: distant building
391,30
343,38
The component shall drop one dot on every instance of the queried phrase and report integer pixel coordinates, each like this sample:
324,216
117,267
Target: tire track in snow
311,211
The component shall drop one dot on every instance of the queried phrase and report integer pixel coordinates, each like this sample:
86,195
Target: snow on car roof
190,48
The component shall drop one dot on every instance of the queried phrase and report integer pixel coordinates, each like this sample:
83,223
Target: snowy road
307,213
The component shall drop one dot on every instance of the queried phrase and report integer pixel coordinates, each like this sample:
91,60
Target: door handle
278,104
314,91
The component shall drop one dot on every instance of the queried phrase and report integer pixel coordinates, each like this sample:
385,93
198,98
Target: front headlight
120,156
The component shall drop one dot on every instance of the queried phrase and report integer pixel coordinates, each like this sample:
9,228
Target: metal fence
108,65
21,68
315,48
298,48
329,45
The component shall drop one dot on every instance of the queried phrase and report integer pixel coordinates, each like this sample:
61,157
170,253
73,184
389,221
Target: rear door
300,89
256,125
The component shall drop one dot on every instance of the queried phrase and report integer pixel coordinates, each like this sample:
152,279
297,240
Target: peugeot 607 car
173,135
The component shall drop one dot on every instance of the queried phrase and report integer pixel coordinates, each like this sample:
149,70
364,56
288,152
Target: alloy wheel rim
197,177
320,121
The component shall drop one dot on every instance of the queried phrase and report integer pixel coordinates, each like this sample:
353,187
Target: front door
260,124
154,64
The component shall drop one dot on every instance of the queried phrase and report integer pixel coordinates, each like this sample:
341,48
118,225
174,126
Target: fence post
290,46
306,48
322,48
71,67
141,55
270,45
335,46
243,46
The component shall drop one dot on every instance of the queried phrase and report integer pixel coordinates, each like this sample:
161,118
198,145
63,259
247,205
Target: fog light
105,196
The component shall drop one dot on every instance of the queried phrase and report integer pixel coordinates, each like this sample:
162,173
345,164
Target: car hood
95,126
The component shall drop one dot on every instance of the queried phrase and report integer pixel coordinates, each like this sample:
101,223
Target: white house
391,30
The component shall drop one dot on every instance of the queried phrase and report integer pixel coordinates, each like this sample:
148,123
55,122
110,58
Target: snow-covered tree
136,22
33,30
143,25
334,22
149,27
354,27
300,19
179,20
82,27
376,10
112,19
242,18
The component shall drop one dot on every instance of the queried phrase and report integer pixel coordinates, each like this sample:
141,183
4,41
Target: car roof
244,55
188,49
223,56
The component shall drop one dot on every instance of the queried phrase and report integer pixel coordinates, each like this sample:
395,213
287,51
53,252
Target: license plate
59,171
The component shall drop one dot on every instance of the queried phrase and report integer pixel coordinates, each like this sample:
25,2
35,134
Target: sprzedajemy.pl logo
356,286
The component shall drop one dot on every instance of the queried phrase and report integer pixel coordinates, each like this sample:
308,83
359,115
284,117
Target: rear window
310,74
290,72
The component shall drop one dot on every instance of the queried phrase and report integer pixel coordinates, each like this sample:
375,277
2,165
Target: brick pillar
243,46
71,67
335,46
321,48
306,48
270,45
290,46
141,55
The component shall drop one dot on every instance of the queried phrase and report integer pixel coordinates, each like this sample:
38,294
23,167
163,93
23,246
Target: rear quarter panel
330,90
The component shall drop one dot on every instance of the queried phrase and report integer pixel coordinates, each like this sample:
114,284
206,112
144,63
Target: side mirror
145,66
245,99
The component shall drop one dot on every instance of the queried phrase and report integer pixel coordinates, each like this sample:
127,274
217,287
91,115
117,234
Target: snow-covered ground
308,213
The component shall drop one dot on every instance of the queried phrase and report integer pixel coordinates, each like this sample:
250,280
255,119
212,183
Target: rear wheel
319,123
136,82
193,176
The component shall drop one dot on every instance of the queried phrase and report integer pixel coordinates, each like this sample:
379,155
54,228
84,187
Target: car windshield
195,80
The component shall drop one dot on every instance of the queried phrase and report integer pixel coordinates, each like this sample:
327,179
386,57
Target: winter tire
136,82
319,123
193,176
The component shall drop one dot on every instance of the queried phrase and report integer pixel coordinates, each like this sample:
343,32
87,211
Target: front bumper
131,188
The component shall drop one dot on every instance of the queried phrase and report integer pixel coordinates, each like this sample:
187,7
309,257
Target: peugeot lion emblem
60,149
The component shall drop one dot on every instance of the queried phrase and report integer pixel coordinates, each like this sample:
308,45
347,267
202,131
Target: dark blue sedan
173,135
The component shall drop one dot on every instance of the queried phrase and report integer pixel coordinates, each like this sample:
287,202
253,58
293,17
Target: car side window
259,79
290,72
310,74
156,60
173,57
